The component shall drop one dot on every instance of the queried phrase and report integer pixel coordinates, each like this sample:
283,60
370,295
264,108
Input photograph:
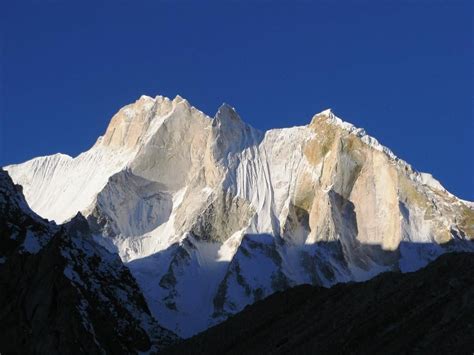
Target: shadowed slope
61,293
428,311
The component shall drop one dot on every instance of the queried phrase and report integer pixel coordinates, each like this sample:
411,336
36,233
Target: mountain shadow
429,311
189,290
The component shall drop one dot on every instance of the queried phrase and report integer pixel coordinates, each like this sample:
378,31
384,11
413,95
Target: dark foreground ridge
61,293
427,311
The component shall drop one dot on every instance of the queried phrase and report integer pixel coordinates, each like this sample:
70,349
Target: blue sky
403,70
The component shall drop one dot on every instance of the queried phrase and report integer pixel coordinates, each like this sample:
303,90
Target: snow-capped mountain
63,293
211,214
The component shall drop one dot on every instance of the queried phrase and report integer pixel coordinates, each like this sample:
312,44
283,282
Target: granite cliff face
211,214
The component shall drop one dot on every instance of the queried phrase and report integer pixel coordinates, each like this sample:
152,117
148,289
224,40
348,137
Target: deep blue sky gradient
403,70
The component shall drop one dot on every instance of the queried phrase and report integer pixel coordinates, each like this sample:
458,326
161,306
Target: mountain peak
227,111
227,119
327,112
212,209
323,116
145,98
179,99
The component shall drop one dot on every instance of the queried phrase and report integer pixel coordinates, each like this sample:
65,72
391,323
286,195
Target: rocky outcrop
224,216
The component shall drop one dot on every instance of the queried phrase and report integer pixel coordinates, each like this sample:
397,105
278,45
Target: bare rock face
62,293
212,212
224,216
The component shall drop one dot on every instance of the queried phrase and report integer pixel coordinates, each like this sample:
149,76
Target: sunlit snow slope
211,214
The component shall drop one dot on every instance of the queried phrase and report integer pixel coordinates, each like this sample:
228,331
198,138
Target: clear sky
403,70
